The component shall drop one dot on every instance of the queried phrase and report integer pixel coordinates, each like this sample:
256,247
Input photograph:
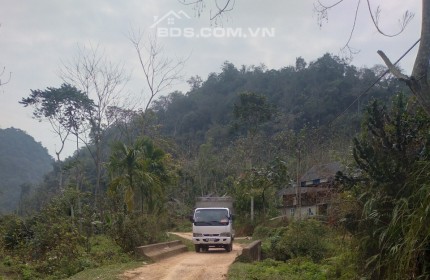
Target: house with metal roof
314,195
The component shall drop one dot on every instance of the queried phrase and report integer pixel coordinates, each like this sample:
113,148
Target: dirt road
212,265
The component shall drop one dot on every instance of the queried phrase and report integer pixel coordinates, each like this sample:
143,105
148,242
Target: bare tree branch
2,83
353,27
160,72
407,17
229,5
221,9
103,81
322,12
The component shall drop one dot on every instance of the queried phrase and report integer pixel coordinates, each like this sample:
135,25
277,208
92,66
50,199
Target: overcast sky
37,36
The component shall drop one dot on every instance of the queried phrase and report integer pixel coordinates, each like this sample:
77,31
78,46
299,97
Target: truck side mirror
232,217
191,218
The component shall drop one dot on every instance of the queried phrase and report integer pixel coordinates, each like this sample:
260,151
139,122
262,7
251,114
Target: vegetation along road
212,265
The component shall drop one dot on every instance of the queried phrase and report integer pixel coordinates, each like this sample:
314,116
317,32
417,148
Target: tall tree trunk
419,82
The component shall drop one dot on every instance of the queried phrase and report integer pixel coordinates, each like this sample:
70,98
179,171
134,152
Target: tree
195,82
392,155
67,109
250,113
139,168
300,63
123,166
261,184
103,81
160,72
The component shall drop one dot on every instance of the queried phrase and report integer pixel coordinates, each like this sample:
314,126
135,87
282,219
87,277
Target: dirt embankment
212,265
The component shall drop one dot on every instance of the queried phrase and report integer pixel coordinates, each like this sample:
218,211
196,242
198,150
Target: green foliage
306,238
301,250
262,184
53,250
311,95
140,168
392,153
107,272
133,230
48,242
298,269
251,112
65,105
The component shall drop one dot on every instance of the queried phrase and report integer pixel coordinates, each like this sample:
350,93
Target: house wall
306,211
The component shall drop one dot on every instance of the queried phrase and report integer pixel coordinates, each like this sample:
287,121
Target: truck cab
212,228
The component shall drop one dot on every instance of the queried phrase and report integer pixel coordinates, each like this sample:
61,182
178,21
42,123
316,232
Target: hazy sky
36,37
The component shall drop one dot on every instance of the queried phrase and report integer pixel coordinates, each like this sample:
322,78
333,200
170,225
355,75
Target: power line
373,84
329,124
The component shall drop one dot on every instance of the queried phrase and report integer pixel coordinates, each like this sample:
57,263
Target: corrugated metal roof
323,171
292,190
318,174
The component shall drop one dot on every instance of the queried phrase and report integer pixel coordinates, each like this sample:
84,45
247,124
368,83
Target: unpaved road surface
212,265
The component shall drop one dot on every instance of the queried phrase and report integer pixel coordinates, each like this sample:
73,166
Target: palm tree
154,176
138,167
123,167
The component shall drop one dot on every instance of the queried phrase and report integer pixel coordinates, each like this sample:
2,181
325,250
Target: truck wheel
229,247
197,247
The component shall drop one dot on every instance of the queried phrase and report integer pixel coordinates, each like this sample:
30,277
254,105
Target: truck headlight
225,234
195,234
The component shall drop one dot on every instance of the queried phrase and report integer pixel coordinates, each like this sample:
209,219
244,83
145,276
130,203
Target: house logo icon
170,18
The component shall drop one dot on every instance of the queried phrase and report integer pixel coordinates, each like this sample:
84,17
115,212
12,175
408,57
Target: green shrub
15,232
270,247
262,232
300,239
131,231
342,266
269,269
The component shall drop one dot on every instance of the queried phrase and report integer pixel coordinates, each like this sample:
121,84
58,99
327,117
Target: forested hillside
244,117
23,162
304,95
249,116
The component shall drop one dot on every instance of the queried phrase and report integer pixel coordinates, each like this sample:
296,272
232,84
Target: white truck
213,223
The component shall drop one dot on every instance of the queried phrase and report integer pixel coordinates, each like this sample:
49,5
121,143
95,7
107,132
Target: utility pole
299,188
252,209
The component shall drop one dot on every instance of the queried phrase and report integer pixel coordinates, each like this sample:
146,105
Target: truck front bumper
212,240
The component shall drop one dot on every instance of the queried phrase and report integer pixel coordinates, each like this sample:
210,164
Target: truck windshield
211,217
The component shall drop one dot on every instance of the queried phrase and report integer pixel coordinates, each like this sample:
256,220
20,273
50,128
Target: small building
315,195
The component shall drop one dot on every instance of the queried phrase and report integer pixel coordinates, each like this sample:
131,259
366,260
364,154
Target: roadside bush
300,239
131,231
270,247
262,232
270,269
342,266
104,251
54,246
14,231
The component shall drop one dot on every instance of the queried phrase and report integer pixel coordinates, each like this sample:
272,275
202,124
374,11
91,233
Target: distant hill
302,96
22,161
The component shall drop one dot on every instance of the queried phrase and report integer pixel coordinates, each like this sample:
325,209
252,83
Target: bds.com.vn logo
166,27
